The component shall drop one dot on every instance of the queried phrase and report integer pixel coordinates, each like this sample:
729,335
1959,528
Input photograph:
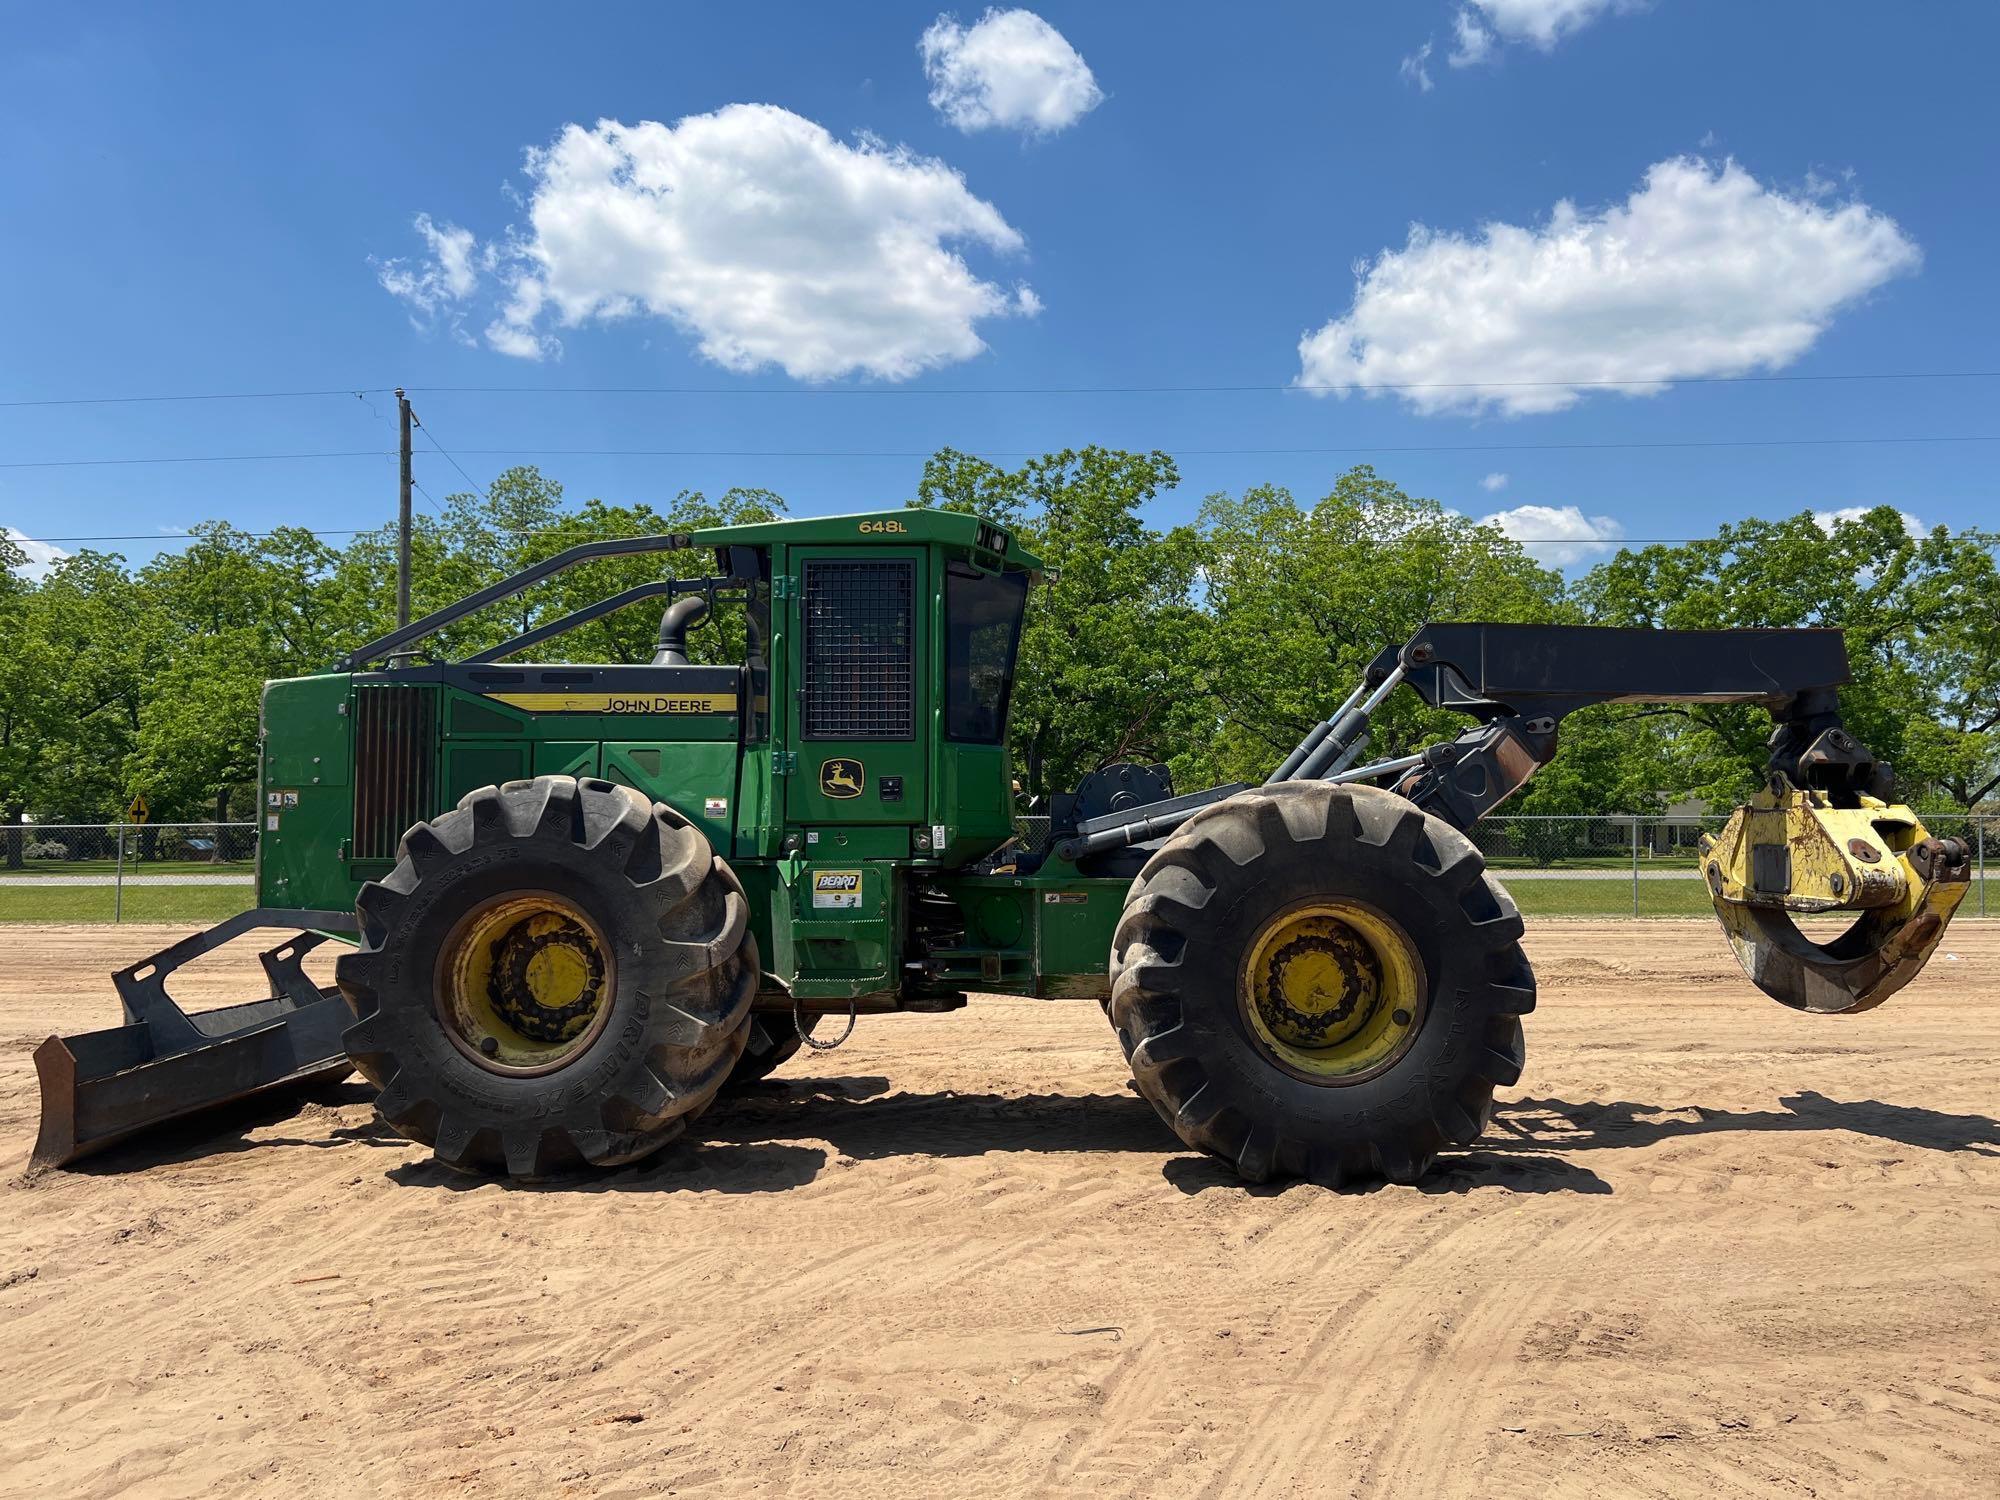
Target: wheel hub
545,977
523,984
1333,991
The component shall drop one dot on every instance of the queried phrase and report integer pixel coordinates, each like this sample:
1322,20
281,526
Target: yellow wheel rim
1332,990
524,983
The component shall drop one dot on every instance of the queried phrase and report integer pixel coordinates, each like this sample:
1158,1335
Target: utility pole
405,420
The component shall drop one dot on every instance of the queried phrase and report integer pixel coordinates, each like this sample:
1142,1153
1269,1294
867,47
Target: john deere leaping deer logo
841,777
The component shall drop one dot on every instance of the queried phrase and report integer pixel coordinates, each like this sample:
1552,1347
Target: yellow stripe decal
619,703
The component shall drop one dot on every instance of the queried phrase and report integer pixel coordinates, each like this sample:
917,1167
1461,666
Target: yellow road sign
139,811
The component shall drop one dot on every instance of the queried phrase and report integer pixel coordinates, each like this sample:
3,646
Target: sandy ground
1709,1247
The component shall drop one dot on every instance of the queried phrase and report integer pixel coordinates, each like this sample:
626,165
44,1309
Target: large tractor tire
770,1041
1320,981
556,974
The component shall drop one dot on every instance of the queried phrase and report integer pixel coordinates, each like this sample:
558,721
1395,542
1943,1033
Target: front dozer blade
164,1064
1789,851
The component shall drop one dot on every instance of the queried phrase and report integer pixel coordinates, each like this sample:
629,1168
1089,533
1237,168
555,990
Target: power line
431,438
1595,383
1829,442
196,458
353,390
1526,541
1362,386
914,453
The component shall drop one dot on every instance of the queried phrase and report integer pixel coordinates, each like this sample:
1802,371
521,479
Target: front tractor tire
557,974
1320,981
772,1039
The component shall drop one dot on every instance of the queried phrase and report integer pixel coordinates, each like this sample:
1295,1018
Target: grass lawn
1657,898
196,905
1607,898
200,906
133,867
1594,862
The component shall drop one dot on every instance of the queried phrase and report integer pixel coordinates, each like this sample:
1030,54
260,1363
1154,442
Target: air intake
395,764
860,656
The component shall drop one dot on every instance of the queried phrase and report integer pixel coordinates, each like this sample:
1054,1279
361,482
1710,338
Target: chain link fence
1606,866
127,872
1624,866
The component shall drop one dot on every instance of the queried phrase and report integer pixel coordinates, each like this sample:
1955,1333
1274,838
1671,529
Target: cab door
860,702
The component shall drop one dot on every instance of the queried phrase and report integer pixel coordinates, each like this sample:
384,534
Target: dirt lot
1709,1247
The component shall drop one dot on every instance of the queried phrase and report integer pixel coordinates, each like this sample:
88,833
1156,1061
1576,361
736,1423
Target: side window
982,632
860,653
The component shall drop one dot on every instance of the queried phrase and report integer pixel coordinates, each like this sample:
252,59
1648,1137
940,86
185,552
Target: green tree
69,693
1109,628
214,622
1302,598
1923,637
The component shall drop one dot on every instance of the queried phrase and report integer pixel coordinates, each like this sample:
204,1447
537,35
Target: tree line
1211,646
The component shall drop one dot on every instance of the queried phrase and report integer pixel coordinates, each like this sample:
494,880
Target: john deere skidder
583,899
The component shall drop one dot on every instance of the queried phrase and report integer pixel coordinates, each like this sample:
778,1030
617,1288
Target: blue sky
223,199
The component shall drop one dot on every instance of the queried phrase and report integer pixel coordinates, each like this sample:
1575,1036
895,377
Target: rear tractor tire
556,974
1320,981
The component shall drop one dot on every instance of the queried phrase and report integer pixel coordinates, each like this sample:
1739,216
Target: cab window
982,634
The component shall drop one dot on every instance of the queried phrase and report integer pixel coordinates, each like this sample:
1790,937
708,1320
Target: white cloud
1538,23
1830,521
1416,68
1010,69
1495,481
1701,271
1557,536
1481,28
41,555
753,230
1471,42
445,277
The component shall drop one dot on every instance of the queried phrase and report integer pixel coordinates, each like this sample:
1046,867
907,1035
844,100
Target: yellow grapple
1791,851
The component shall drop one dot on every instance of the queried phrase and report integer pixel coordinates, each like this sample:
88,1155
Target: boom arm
1521,680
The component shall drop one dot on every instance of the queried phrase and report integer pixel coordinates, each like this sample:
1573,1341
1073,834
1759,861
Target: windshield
982,631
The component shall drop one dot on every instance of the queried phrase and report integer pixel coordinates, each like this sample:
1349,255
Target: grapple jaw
1791,851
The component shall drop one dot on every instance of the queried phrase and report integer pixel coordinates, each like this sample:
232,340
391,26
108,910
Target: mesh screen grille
393,765
859,659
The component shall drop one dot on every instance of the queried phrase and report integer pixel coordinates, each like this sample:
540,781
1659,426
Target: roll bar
741,563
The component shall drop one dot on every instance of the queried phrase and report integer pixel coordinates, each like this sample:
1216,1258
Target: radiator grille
859,654
394,765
